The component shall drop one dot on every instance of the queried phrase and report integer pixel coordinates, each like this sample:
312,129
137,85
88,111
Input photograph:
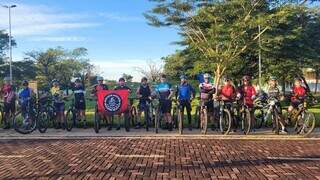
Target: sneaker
190,128
109,128
138,126
118,128
84,124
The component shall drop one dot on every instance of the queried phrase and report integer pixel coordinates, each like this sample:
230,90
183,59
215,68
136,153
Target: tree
219,30
152,71
127,77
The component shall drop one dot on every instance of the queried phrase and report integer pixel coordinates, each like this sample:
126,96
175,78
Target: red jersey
247,92
299,93
8,94
227,92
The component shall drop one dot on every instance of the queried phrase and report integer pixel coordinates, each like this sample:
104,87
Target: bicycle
203,117
26,122
71,117
6,120
225,119
133,112
242,113
46,114
303,120
158,116
178,116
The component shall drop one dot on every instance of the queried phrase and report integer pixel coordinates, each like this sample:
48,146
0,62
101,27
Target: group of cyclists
184,93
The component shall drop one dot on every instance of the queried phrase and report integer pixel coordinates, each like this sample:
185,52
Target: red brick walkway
122,158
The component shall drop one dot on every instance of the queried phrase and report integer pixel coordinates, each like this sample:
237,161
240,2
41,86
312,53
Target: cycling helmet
25,83
99,78
183,77
273,78
6,78
122,79
246,78
206,75
226,78
144,79
77,80
298,79
163,76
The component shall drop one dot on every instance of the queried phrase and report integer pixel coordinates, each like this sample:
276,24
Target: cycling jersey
144,91
99,87
9,95
25,94
228,92
206,90
247,93
274,92
79,92
184,91
164,90
299,93
57,94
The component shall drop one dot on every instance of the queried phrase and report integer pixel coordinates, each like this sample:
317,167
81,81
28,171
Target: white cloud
34,20
58,39
113,69
120,18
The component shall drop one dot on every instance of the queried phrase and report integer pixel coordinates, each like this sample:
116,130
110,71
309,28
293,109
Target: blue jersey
24,94
164,90
184,91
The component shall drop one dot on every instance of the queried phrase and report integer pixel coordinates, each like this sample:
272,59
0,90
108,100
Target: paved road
160,158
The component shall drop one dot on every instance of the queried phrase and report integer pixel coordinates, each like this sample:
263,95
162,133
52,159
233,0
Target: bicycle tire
43,121
126,122
69,120
225,122
20,130
246,121
275,120
180,121
96,122
197,116
259,117
157,120
204,121
311,121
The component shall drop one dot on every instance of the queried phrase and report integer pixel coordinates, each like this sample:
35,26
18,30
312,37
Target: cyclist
298,96
247,93
80,103
122,86
100,87
165,93
144,94
25,98
274,92
58,103
207,90
183,93
228,94
9,97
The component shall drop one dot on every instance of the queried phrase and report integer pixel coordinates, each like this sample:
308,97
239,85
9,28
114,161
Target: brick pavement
154,158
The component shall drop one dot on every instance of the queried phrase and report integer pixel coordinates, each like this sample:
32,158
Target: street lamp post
10,46
260,63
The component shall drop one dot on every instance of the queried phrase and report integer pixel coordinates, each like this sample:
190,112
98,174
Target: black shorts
142,105
165,105
295,104
208,104
80,105
9,107
185,104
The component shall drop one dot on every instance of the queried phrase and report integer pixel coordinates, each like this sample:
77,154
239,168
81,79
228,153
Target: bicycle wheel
275,120
197,116
180,121
225,122
70,119
133,115
146,117
204,121
308,123
246,121
175,117
126,122
259,117
24,124
157,120
43,121
96,122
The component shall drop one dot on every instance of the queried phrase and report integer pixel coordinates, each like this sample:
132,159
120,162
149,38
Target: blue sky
115,32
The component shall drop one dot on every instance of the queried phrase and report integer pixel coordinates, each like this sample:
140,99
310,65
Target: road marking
294,158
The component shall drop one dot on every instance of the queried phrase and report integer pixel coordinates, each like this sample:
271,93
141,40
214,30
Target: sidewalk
142,133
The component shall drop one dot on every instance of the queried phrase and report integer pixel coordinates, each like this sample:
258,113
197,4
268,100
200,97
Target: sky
115,32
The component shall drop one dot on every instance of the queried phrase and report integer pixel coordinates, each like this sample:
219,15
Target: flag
113,101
